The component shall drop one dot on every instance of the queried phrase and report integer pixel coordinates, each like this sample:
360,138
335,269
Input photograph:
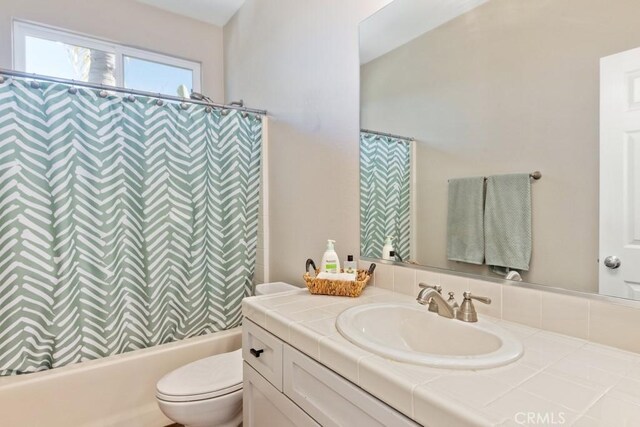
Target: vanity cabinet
265,406
290,388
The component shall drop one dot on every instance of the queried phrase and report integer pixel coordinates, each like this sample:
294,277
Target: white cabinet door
265,406
620,173
330,399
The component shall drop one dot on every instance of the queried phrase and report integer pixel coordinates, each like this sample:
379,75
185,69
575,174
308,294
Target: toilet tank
274,288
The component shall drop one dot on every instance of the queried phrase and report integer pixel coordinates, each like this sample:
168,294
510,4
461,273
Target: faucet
431,294
433,306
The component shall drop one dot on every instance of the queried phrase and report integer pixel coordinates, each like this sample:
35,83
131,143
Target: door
619,256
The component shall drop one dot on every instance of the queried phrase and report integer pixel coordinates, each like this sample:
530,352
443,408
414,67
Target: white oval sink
410,333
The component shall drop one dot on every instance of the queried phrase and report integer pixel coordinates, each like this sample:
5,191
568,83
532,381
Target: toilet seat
203,379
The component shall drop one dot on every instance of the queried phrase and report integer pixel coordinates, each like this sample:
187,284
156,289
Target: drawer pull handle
255,352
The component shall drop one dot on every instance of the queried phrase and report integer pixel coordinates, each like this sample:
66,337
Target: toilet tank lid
205,378
274,288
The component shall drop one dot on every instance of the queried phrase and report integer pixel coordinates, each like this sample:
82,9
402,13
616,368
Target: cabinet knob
255,352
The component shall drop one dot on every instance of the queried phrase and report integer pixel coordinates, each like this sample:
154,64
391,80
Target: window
56,53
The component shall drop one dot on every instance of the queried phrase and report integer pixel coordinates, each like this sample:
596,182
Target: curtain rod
406,138
14,73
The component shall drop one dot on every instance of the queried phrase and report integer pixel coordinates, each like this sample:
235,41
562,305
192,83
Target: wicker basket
337,287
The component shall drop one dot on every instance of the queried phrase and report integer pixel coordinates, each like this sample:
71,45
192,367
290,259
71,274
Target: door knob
612,262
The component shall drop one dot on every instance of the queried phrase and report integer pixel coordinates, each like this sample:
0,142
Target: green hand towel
465,232
507,221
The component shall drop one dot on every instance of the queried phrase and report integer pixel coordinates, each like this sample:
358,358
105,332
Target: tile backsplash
603,322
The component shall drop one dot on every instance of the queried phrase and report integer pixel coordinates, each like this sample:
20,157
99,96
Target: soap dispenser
387,249
330,260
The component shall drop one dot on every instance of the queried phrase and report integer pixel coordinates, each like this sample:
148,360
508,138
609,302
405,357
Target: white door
620,175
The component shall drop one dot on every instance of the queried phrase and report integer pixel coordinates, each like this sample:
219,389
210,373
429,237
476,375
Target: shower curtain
124,222
385,194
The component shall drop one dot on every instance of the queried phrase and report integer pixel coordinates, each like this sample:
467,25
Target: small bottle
387,249
330,260
350,266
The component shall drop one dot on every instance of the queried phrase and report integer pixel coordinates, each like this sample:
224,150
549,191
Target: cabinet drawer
264,406
263,352
330,399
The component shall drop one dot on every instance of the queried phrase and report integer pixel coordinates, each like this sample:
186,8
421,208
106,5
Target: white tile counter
560,380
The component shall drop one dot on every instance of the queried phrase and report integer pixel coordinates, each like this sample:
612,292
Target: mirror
463,100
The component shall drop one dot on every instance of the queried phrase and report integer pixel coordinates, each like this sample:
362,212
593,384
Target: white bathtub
114,391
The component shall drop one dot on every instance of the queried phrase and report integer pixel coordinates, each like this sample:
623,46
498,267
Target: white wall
299,60
127,22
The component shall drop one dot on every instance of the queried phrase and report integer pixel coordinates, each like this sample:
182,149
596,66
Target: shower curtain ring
35,84
159,102
2,79
184,105
208,109
73,90
131,98
103,94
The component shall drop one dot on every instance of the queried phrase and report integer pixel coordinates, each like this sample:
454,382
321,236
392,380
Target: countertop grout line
593,403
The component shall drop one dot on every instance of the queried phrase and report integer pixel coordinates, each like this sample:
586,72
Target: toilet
208,392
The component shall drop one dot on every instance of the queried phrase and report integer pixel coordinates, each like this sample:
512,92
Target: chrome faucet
431,295
433,306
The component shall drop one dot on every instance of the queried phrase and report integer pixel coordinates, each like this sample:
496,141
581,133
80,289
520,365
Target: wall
127,22
511,86
299,60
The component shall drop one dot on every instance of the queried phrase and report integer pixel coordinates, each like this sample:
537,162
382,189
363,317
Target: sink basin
410,333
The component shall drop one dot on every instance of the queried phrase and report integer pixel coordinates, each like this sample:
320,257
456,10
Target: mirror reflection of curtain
385,194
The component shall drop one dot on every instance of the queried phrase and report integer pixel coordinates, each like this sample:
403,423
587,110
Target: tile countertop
560,380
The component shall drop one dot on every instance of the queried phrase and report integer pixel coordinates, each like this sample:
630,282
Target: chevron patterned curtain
124,223
385,194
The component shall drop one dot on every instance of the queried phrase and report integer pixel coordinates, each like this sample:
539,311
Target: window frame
22,30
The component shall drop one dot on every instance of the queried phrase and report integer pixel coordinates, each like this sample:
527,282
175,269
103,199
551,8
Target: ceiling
403,20
217,12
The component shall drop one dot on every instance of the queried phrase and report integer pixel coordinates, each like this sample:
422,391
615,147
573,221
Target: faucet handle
452,300
468,296
438,288
467,312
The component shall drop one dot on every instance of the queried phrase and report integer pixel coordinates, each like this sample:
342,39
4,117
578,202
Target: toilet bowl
208,392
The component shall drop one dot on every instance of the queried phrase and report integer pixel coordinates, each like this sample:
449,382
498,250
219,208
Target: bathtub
114,391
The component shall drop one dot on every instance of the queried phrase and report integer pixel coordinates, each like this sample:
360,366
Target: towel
465,232
345,277
507,222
